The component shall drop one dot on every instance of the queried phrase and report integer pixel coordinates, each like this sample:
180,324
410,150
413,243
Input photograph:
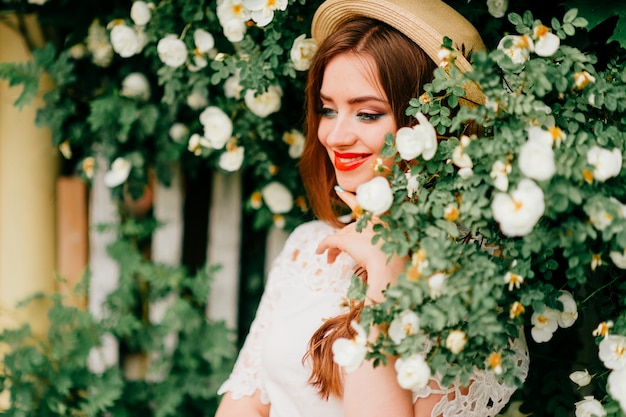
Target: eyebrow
356,100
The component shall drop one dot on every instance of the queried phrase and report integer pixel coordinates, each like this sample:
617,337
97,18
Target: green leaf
597,12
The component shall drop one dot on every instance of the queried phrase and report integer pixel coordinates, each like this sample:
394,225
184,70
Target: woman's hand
359,246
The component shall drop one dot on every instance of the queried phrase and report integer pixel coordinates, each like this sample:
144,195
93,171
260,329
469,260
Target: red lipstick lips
350,161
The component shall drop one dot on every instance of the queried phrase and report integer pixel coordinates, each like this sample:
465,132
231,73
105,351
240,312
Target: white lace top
302,290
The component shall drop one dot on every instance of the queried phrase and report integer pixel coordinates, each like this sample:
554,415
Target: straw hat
426,22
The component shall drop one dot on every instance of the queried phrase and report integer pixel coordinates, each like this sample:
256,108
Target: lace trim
487,394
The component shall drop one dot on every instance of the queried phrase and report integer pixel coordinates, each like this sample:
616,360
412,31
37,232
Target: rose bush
521,221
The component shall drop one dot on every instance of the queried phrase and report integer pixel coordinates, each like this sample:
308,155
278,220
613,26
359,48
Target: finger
347,197
331,246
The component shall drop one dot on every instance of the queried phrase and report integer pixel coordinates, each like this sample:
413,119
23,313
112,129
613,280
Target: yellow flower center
541,30
495,360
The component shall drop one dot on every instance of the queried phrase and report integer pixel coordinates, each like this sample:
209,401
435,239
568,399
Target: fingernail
339,189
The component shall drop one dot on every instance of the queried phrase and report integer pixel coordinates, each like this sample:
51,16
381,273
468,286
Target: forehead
352,73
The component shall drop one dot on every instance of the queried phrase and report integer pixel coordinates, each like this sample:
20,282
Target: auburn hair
402,68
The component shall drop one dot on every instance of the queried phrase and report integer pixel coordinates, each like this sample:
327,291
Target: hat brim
426,22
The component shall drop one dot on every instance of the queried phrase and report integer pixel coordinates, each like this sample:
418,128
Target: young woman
360,82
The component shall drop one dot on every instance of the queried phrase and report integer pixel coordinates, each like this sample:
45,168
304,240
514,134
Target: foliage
517,224
65,374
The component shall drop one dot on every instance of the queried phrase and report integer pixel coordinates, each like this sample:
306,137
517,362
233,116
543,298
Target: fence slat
167,241
224,245
104,270
167,244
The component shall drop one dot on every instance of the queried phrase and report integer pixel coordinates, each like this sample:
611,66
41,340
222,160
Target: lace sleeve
487,394
248,375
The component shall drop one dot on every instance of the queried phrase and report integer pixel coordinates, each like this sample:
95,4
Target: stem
598,290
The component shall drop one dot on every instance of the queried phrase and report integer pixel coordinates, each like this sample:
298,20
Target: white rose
136,85
581,79
172,51
87,165
295,139
570,311
618,258
197,100
232,10
263,10
412,184
459,157
607,163
500,173
277,197
266,103
98,44
125,41
580,378
118,173
78,51
350,353
519,49
547,43
589,407
544,325
436,284
140,13
404,324
542,137
203,40
413,372
234,30
536,160
218,127
600,218
66,149
197,143
497,8
456,341
197,62
232,87
232,159
616,386
466,173
375,195
518,212
420,139
178,132
302,52
612,351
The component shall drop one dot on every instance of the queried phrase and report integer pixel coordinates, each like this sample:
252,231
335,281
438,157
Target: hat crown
426,22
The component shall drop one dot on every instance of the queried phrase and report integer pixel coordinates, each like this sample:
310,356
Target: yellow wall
28,171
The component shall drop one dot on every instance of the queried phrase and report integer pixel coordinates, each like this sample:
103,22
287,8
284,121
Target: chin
351,184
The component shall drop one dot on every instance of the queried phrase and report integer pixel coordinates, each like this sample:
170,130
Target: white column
28,172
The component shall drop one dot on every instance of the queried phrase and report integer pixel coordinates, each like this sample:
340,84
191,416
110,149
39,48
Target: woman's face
355,116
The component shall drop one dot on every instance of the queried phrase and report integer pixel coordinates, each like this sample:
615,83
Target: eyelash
365,117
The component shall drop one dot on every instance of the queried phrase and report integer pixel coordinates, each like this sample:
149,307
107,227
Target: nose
339,132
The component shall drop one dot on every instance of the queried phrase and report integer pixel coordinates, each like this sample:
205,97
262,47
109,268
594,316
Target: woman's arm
374,391
248,406
370,391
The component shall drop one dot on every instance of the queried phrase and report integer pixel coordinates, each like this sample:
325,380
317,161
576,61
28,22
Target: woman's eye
369,117
327,112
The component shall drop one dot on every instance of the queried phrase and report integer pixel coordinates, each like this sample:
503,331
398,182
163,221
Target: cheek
322,132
